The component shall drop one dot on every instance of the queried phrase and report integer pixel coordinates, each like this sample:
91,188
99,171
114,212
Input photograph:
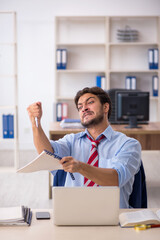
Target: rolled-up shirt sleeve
127,161
62,147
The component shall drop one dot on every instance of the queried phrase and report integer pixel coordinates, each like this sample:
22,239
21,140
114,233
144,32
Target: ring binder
59,158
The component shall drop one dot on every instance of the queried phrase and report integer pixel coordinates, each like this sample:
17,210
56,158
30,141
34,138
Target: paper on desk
10,214
43,161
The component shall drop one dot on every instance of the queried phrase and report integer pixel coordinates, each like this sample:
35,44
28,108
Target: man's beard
93,122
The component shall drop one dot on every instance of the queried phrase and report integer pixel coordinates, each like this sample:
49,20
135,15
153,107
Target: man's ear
106,107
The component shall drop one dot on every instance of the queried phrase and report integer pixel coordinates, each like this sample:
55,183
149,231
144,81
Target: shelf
8,107
80,44
93,49
133,71
133,44
71,98
9,83
65,98
8,76
7,169
154,98
7,140
8,44
81,71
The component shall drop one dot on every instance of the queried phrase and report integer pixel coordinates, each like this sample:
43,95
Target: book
44,161
18,215
146,216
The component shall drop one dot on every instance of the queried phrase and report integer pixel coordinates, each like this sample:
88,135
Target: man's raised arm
41,141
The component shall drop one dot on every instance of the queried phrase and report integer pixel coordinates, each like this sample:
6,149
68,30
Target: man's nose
85,108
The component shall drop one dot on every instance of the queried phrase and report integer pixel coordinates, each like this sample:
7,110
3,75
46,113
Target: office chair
138,197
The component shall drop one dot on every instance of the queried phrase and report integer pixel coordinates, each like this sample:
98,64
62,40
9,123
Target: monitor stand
133,122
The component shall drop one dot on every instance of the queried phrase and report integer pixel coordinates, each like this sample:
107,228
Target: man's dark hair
99,92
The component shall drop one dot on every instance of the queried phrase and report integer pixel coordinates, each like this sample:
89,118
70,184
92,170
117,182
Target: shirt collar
107,133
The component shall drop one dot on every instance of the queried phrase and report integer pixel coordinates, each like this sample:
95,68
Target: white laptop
86,205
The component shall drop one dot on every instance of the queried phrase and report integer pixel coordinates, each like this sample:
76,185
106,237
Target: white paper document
44,161
11,214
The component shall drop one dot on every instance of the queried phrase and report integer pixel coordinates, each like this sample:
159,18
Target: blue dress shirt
116,151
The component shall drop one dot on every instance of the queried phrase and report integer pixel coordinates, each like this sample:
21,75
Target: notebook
44,161
86,206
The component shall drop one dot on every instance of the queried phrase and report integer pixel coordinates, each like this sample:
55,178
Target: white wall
36,47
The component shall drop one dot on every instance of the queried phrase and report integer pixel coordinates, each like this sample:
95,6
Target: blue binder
151,58
10,126
155,85
5,126
156,58
98,81
63,58
58,58
128,82
133,83
59,112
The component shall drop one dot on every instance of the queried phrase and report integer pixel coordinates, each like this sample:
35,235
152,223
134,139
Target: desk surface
148,135
46,230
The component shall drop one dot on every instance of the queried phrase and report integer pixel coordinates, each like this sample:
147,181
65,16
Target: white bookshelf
9,84
93,49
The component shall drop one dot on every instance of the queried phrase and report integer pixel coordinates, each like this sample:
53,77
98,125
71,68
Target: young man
113,161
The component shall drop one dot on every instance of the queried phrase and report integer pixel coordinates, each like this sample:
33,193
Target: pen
36,120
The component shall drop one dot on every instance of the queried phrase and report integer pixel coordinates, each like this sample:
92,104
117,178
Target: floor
32,189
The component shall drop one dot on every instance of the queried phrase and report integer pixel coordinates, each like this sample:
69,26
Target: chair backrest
138,197
59,178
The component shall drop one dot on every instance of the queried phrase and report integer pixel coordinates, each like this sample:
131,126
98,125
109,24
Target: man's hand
35,111
101,176
70,164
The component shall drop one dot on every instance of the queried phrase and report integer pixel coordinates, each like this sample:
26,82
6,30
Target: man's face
91,111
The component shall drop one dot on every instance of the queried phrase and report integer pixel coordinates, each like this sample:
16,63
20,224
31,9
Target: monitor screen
132,107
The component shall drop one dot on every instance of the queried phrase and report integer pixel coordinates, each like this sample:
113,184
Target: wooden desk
46,230
148,135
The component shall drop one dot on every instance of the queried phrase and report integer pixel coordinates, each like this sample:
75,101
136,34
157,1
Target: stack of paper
127,34
71,123
15,216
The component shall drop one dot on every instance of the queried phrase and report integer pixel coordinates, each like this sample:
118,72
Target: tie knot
95,143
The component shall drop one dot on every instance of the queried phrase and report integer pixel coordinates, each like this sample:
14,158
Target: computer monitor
132,107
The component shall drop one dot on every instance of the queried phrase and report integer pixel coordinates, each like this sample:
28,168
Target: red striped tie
93,159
